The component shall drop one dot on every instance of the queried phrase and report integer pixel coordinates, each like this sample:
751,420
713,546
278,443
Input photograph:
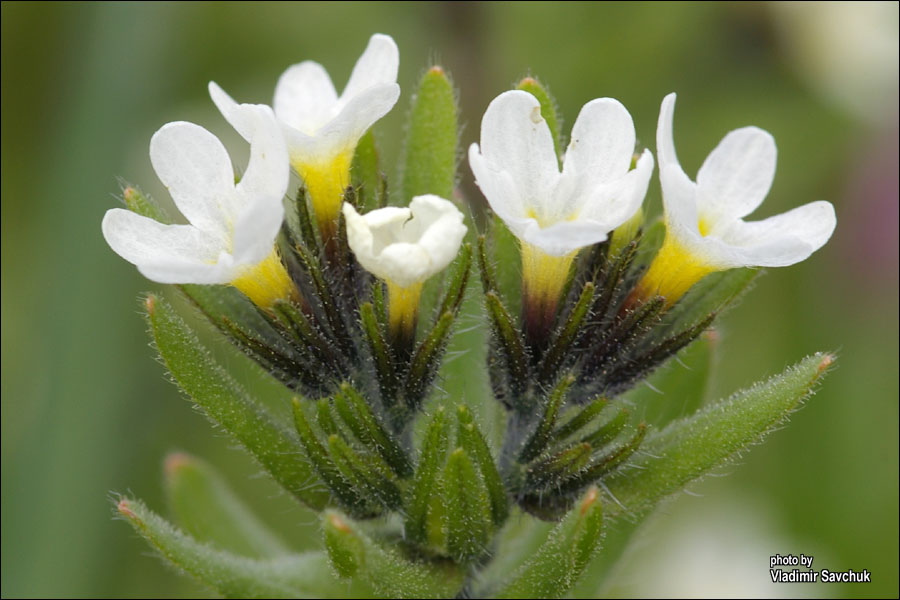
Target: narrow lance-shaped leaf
369,477
474,443
679,387
431,461
324,465
581,419
467,503
143,204
543,432
232,576
555,355
356,413
354,554
456,289
425,362
385,369
712,294
365,171
562,559
691,447
228,404
509,340
210,511
430,165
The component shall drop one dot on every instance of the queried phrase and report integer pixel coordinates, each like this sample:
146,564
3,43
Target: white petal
665,143
737,175
403,264
602,142
784,239
231,110
497,186
369,235
164,253
564,237
305,98
406,245
516,139
438,226
361,112
261,189
679,200
194,165
616,202
268,171
377,65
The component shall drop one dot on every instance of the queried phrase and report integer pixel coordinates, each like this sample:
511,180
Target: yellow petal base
266,282
325,183
672,273
403,309
543,275
543,278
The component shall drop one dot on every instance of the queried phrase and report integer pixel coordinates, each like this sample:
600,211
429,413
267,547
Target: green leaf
510,342
365,172
227,403
580,420
210,511
626,232
549,367
369,476
325,467
354,554
548,109
562,558
713,294
678,388
355,412
431,462
385,369
457,282
473,442
689,448
143,204
430,165
544,430
426,361
504,250
294,576
468,507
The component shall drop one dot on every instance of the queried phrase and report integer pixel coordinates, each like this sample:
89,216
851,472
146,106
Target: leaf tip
175,462
590,498
827,360
337,523
150,303
124,508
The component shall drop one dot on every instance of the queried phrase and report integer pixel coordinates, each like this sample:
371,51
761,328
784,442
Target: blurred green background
86,411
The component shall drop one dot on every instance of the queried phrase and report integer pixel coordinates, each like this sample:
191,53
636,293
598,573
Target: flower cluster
324,285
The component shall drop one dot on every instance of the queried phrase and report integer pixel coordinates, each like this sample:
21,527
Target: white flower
232,226
705,231
406,246
321,128
559,212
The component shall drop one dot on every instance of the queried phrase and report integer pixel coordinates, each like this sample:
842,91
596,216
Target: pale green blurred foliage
86,410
